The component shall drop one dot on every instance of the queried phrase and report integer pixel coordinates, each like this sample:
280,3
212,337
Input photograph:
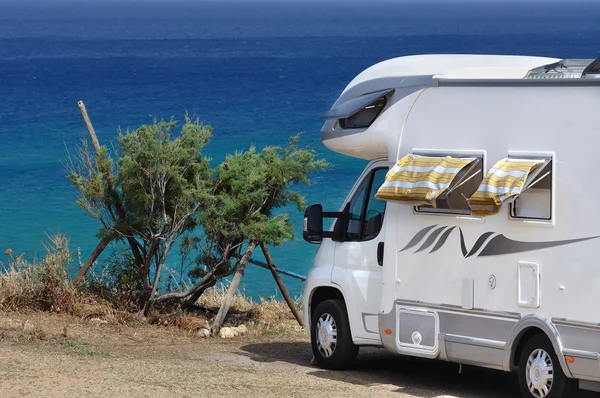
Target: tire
331,315
543,361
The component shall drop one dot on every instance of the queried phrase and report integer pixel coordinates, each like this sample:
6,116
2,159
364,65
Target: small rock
226,333
203,333
205,326
241,330
97,321
15,324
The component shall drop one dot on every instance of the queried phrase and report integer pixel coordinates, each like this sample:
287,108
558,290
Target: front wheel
540,374
331,339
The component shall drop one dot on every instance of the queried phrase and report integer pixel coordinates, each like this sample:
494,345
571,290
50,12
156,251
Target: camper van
471,234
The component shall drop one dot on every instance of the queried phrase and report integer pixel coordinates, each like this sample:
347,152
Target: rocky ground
63,356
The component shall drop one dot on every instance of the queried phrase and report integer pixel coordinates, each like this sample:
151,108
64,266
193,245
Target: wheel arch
527,327
322,293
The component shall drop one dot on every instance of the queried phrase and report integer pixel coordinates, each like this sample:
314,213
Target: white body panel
476,306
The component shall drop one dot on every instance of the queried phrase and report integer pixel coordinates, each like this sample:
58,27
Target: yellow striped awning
504,181
421,179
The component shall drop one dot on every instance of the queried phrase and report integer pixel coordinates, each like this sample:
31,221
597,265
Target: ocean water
258,72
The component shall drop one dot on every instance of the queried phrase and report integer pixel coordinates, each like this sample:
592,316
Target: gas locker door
356,267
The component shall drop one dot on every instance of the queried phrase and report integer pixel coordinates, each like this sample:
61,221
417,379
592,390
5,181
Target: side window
457,200
366,212
375,208
535,201
356,206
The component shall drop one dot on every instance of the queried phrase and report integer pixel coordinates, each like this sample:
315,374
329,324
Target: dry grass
45,285
244,307
16,287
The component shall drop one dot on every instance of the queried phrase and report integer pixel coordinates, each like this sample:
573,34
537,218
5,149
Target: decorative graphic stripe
479,243
418,237
431,239
500,245
463,246
442,240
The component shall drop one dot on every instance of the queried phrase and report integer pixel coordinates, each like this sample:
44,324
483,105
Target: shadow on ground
418,377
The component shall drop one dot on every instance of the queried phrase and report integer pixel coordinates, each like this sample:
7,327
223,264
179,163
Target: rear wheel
331,338
540,374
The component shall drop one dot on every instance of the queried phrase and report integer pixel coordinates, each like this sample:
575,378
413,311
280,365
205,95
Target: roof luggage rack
566,69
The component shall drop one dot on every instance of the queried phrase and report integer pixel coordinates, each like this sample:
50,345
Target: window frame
550,222
368,178
477,153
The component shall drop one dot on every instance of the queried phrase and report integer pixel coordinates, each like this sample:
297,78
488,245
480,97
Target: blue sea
258,72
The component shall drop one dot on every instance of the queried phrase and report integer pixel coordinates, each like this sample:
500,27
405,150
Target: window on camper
359,112
366,212
456,200
535,201
365,117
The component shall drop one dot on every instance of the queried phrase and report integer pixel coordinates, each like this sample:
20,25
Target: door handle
380,253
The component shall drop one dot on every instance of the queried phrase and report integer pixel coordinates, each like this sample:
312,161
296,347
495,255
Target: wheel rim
539,373
326,335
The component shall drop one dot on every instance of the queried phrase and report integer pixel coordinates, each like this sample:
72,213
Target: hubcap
539,373
326,335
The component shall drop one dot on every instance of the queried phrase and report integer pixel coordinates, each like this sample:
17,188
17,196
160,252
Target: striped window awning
422,179
504,182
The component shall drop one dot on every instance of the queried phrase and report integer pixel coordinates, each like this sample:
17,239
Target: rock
97,321
203,333
226,333
15,324
241,330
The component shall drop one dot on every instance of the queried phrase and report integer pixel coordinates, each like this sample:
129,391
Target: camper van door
356,268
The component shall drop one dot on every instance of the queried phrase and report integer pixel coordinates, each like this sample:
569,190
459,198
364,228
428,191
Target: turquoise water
258,72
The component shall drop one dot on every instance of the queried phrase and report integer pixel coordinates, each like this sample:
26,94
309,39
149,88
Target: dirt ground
63,356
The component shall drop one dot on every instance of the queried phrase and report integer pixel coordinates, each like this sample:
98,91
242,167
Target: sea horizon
258,73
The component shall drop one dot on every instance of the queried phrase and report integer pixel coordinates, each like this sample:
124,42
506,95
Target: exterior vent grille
554,76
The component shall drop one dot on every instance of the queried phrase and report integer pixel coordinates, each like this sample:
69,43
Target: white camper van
471,235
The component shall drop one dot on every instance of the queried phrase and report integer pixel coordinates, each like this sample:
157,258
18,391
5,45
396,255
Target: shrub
42,284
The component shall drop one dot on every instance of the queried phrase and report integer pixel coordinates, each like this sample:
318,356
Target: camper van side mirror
313,224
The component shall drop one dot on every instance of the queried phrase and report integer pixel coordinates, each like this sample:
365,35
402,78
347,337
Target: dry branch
280,284
235,283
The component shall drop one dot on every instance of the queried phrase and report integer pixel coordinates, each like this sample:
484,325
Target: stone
15,324
203,333
97,321
241,330
226,333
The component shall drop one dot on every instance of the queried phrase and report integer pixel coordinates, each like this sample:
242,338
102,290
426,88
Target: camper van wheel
331,339
540,374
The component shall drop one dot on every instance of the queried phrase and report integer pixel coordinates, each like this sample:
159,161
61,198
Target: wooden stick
118,205
235,283
90,128
282,271
280,284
